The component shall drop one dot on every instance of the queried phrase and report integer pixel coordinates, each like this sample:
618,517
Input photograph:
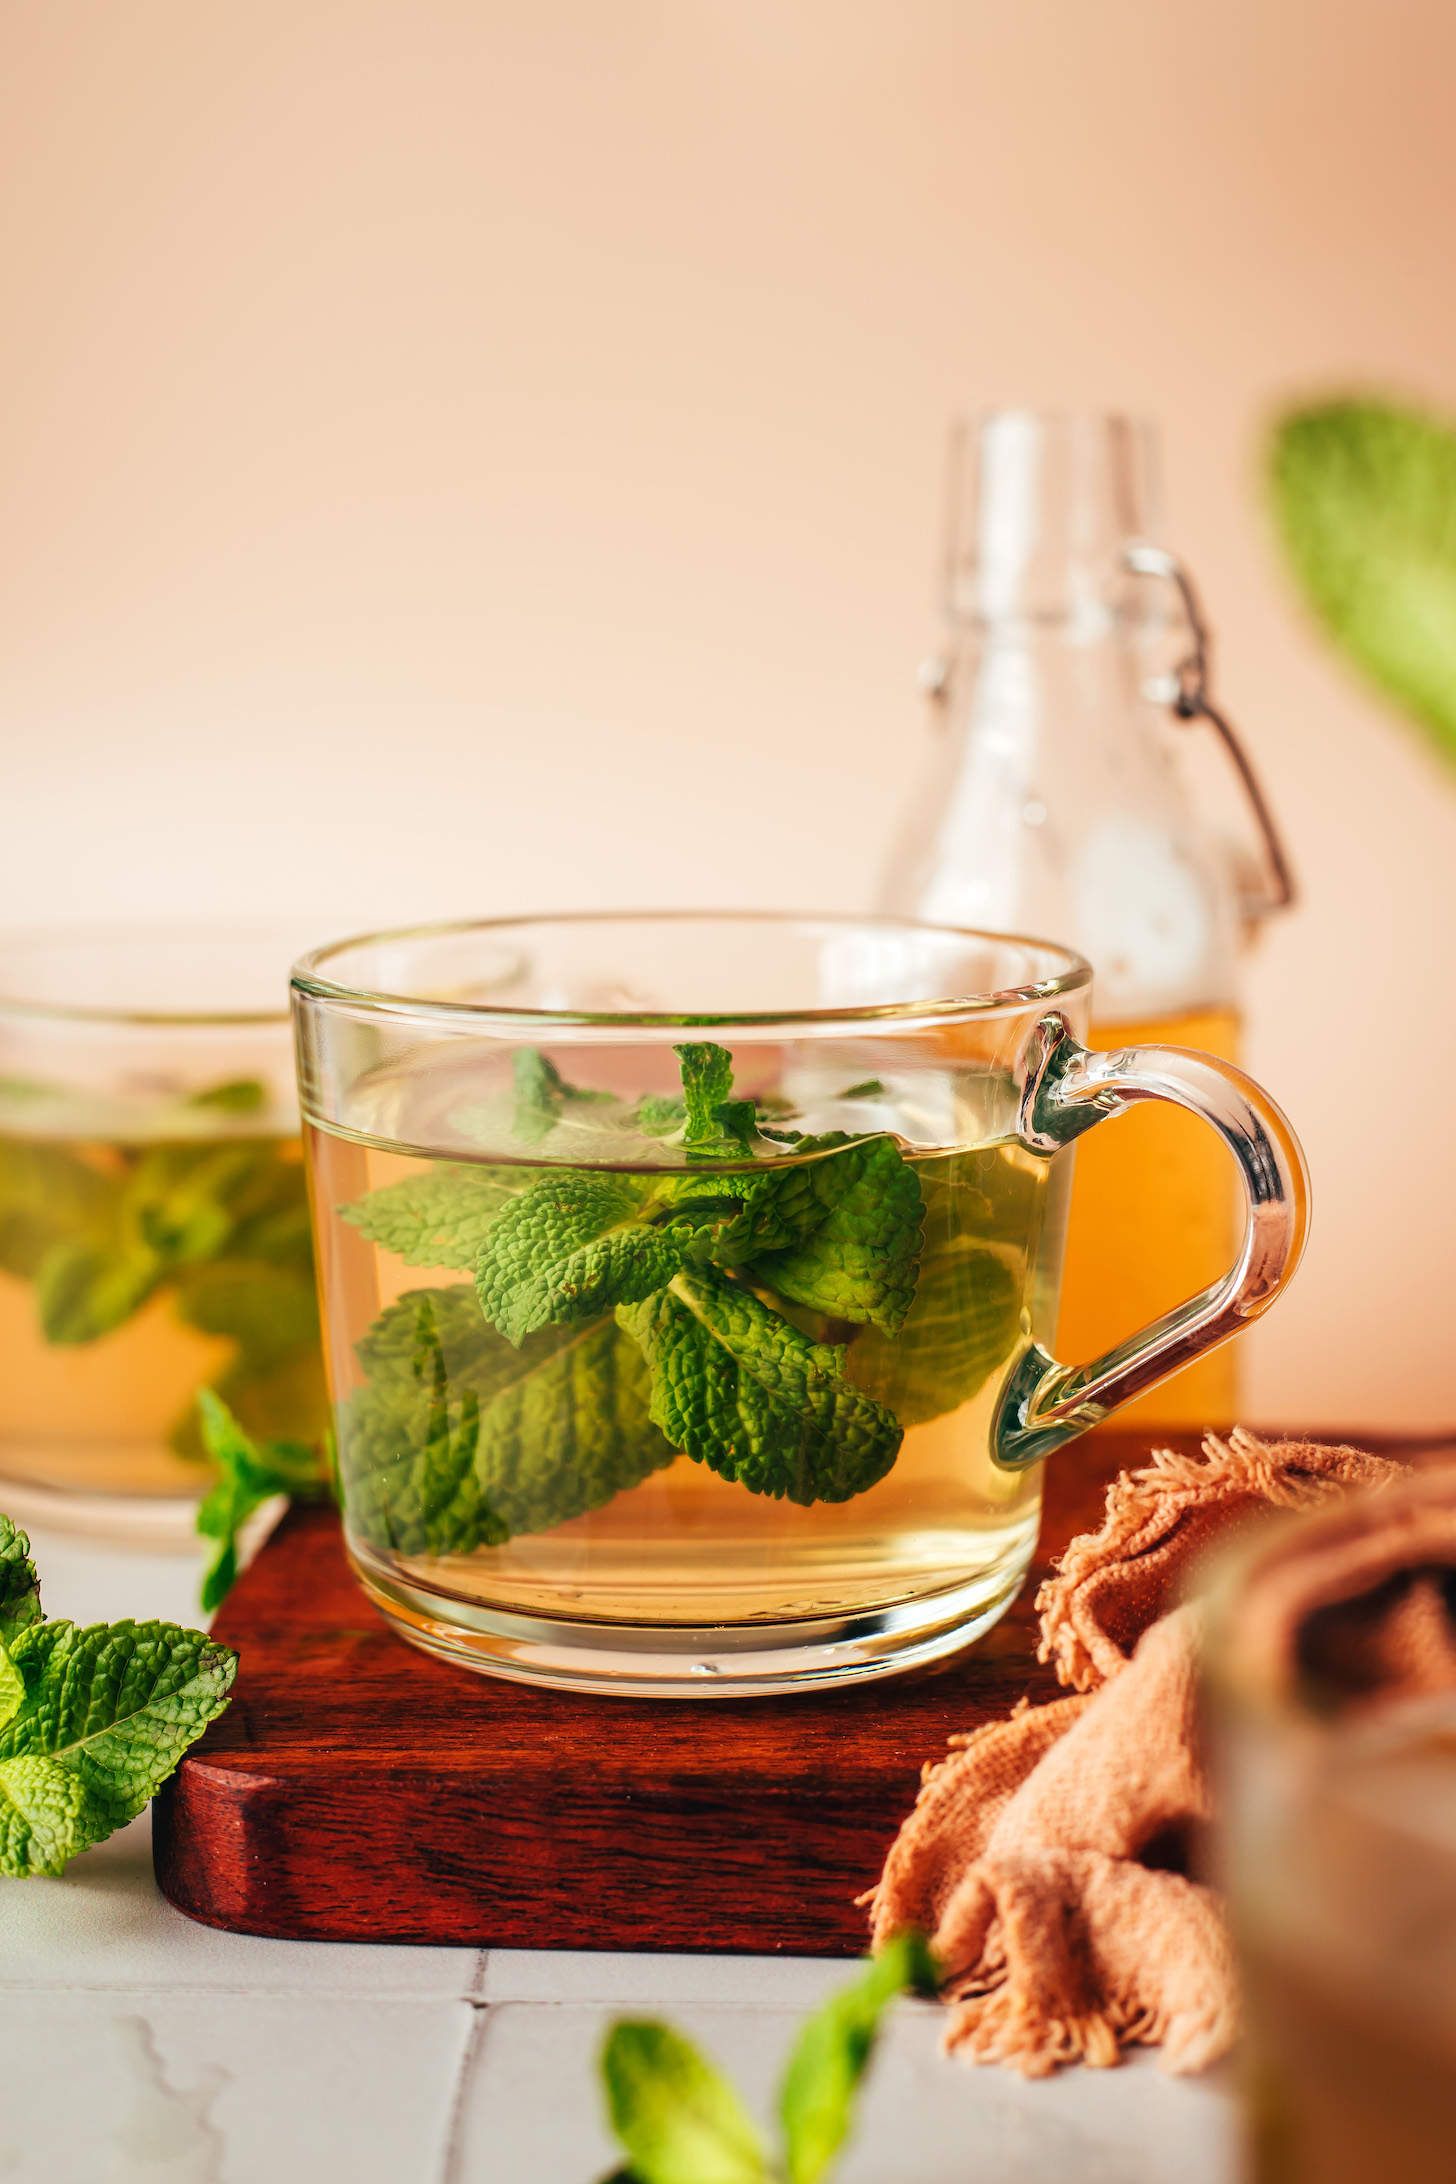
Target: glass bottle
1055,803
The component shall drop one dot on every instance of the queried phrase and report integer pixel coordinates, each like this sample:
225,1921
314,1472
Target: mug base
678,1661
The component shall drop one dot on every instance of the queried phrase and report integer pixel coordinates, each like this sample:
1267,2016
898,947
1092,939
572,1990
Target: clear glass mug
687,1281
154,1231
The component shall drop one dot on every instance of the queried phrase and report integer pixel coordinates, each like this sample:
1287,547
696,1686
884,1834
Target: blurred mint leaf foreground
1365,495
92,1721
681,2121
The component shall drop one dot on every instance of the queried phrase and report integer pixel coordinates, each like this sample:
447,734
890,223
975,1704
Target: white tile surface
137,2047
105,1924
552,1975
88,1582
531,2112
222,2089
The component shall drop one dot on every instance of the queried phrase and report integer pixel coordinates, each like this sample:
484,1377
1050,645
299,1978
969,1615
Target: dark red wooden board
357,1790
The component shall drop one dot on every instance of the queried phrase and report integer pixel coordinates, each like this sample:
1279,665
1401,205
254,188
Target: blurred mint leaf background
1365,496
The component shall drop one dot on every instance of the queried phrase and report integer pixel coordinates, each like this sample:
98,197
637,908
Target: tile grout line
479,2008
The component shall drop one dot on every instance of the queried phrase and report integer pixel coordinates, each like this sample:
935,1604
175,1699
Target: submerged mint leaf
444,1480
47,1198
250,1476
658,1115
19,1585
112,1708
1365,494
184,1202
239,1096
568,1249
266,1309
746,1393
733,1217
965,1320
541,1094
833,2052
438,1218
84,1290
679,2118
860,1257
561,1425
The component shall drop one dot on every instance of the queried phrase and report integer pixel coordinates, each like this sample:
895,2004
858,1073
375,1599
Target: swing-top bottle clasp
1185,691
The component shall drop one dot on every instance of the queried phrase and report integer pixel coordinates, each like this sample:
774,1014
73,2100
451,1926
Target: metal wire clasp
1186,692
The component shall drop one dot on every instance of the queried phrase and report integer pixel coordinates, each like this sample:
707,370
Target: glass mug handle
1068,1089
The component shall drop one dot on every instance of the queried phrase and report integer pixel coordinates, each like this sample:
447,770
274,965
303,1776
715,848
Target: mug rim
143,934
308,979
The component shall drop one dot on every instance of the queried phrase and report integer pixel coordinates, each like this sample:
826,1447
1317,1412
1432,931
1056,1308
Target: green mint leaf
428,1497
278,1398
114,1707
541,1094
679,2118
707,1081
268,1202
658,1115
965,1321
732,1218
869,1089
184,1202
274,1382
239,1096
45,1818
250,1476
438,1218
717,1127
84,1290
12,1686
1365,495
568,1249
832,2053
746,1393
47,1198
267,1309
19,1585
861,1255
559,1425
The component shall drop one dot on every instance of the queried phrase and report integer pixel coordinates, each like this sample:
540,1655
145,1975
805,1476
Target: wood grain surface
358,1790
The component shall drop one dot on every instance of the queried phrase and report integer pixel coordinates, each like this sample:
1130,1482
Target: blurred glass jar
1053,803
1339,1856
154,1229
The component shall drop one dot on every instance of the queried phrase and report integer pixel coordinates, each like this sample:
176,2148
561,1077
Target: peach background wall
478,454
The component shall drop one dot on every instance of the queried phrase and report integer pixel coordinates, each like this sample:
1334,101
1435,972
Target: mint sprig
92,1721
644,1308
681,2121
250,1475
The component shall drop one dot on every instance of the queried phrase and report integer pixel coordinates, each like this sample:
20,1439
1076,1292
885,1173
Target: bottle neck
1042,510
